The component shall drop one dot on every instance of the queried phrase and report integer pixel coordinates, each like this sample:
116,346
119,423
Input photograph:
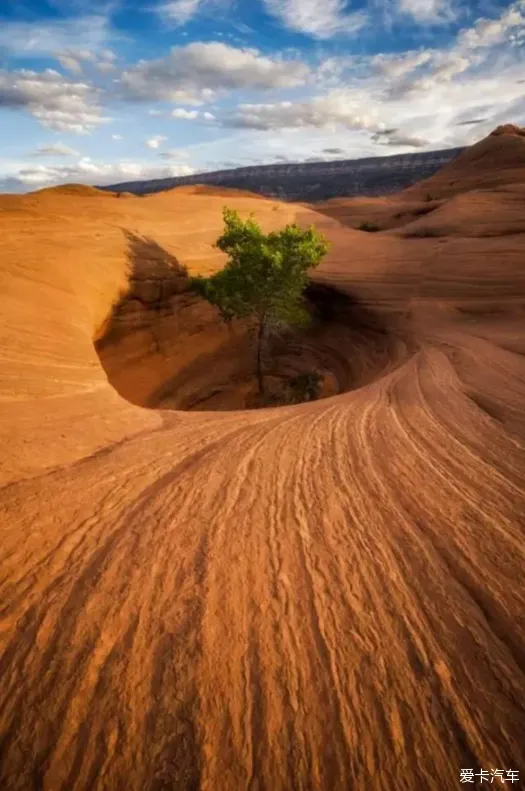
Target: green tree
264,277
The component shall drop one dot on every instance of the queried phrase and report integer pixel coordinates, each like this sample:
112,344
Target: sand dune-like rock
321,596
497,160
75,190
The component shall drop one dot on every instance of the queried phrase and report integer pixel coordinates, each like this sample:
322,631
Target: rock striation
322,596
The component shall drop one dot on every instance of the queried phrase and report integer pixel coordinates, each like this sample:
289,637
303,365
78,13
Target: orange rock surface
324,596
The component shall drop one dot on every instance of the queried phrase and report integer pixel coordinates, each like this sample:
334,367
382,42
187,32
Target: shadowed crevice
166,348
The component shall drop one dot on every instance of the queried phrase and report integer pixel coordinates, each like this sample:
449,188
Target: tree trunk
260,339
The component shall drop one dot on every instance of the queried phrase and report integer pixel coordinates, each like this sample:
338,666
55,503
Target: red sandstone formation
325,596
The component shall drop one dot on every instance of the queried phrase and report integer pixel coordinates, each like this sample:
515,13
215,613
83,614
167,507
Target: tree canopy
265,275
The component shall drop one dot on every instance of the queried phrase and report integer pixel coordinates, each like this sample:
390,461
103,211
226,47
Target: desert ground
328,596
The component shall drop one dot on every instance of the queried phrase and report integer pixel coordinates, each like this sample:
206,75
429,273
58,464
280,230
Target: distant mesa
311,181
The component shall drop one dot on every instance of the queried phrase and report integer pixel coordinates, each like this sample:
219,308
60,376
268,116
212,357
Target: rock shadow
156,273
155,276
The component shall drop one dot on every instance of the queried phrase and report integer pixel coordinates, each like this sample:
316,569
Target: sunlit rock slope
326,596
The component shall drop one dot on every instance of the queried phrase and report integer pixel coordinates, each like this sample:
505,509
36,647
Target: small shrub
428,197
304,387
371,227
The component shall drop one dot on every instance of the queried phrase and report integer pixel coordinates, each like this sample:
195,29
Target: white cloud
180,11
105,67
188,115
200,69
399,64
55,101
320,19
339,108
491,32
55,150
448,65
34,39
71,59
353,105
428,11
442,67
155,142
86,171
69,63
416,98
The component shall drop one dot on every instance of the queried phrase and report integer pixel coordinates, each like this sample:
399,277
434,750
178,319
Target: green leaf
265,274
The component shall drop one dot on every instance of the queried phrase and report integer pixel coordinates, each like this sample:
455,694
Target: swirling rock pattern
321,596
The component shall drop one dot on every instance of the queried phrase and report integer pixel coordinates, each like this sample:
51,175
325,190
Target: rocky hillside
314,181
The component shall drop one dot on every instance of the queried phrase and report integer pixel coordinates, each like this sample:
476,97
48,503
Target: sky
102,91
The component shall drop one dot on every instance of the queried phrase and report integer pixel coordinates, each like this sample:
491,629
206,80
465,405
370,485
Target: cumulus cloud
443,67
74,60
491,32
338,108
182,113
55,150
105,67
188,115
155,142
200,69
424,71
321,19
399,64
414,99
351,105
116,137
87,171
57,102
428,11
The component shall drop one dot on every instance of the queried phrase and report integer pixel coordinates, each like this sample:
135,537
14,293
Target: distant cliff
313,181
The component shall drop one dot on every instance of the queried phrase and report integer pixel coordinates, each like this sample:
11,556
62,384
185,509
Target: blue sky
101,91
